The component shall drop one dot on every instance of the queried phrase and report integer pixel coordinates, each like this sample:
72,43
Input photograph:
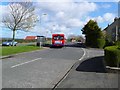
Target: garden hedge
112,56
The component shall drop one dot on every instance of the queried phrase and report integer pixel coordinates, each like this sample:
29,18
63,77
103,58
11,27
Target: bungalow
31,38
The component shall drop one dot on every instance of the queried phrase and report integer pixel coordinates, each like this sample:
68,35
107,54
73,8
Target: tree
21,17
92,33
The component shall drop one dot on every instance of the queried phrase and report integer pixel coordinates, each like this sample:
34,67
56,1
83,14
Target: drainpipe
116,33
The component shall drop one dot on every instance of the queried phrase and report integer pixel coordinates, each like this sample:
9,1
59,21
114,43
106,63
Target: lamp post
53,28
44,14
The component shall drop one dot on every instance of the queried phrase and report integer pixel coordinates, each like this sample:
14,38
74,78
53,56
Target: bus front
58,40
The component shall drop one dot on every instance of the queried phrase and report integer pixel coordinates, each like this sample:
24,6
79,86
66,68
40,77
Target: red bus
58,40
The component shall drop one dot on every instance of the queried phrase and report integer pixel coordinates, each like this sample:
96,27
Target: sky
64,16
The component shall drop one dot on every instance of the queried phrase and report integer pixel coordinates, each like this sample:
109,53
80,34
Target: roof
115,20
31,38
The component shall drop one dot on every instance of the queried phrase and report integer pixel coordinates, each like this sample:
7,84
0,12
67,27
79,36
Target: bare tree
21,17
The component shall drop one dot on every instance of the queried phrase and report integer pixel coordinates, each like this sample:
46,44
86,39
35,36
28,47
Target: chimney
115,19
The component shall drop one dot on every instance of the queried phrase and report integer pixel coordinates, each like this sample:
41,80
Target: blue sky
64,17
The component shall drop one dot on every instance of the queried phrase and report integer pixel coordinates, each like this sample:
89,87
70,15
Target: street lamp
44,14
53,28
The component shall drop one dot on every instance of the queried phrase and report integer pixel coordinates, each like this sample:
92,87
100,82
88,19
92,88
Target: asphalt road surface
90,72
39,69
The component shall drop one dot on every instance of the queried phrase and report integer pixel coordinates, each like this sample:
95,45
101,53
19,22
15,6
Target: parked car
9,43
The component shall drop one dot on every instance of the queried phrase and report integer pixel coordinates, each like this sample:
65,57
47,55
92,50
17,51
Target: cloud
60,15
70,9
75,0
67,13
108,17
66,16
74,23
4,10
100,19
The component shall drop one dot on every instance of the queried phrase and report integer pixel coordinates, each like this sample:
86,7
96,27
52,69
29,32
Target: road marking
25,62
83,54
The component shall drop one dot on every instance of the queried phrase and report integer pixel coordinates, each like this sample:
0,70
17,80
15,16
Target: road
90,72
39,69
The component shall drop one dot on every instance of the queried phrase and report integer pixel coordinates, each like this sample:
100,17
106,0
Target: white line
25,62
83,54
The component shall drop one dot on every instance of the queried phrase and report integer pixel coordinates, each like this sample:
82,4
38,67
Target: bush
117,43
107,43
112,56
100,43
97,43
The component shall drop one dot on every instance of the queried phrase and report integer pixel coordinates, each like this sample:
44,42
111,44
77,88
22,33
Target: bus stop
40,40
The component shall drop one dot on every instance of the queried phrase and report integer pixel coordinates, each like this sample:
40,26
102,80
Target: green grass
17,49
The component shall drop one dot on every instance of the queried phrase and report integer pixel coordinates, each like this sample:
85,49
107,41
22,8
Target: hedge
100,43
112,56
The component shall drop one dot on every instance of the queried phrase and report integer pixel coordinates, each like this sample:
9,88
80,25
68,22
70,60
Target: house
113,30
31,38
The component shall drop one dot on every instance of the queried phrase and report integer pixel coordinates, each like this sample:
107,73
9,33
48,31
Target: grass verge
17,49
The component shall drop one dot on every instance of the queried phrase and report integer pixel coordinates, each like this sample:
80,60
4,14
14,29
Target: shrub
117,43
108,43
112,56
100,43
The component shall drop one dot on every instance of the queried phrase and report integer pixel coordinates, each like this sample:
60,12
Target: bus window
58,39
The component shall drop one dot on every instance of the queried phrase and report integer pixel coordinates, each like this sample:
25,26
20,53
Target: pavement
90,72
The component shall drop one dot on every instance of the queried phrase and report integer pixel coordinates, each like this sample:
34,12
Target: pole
40,44
116,34
41,25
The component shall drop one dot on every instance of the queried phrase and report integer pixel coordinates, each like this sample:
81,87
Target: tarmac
90,73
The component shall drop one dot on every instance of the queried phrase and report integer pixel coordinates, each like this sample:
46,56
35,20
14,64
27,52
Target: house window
119,33
119,29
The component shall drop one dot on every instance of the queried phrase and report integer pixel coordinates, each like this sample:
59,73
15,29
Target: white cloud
108,17
58,1
69,15
74,23
71,9
65,15
100,19
60,15
3,10
75,0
